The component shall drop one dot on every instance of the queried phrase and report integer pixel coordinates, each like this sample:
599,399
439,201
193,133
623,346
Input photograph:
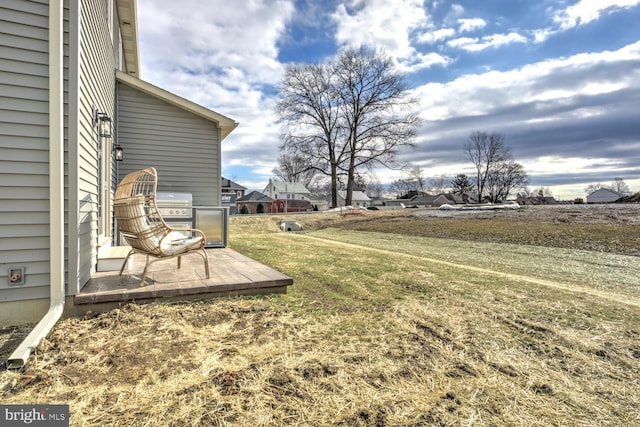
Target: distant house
603,195
230,191
254,203
287,190
461,198
230,187
358,199
429,200
411,194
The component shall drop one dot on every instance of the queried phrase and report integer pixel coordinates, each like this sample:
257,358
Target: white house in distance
603,195
231,191
287,190
358,199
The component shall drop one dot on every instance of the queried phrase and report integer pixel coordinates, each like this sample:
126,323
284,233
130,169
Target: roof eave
128,20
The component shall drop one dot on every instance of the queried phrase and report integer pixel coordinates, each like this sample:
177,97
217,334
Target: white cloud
386,25
540,35
580,13
551,80
473,44
422,60
432,37
205,37
467,25
585,11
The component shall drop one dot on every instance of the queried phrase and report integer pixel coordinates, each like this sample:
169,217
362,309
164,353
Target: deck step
111,259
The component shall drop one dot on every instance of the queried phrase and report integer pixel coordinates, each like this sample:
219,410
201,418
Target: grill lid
167,198
174,205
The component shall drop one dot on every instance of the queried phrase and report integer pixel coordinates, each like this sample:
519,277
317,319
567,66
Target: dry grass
404,331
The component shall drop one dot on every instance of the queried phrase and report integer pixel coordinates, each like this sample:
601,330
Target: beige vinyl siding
96,89
24,147
183,147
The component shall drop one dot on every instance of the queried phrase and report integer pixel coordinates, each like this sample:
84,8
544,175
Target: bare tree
504,177
374,187
308,109
376,113
438,184
416,179
485,152
618,185
294,168
538,193
400,187
542,192
412,181
346,116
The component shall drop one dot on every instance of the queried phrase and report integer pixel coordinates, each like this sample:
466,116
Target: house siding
96,90
183,147
24,144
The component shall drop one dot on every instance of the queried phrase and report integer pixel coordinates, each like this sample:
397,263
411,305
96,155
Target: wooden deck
231,274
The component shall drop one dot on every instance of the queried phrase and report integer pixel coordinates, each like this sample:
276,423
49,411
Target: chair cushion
175,243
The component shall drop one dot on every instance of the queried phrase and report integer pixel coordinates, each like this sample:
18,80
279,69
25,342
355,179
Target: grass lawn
384,326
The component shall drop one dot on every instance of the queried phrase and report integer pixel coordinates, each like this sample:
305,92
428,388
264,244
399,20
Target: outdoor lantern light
103,121
119,152
105,126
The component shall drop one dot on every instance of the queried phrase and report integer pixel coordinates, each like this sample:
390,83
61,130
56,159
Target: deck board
231,273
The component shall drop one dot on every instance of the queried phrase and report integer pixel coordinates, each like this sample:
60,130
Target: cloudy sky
559,78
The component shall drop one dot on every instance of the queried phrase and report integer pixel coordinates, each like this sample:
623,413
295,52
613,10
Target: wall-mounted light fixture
118,152
103,121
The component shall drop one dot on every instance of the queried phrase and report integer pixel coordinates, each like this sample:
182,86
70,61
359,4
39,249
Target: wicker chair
144,229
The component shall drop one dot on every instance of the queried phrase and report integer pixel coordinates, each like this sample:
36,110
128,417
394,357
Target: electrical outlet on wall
16,275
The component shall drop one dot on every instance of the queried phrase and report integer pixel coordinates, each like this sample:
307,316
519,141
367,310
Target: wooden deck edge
193,288
85,308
